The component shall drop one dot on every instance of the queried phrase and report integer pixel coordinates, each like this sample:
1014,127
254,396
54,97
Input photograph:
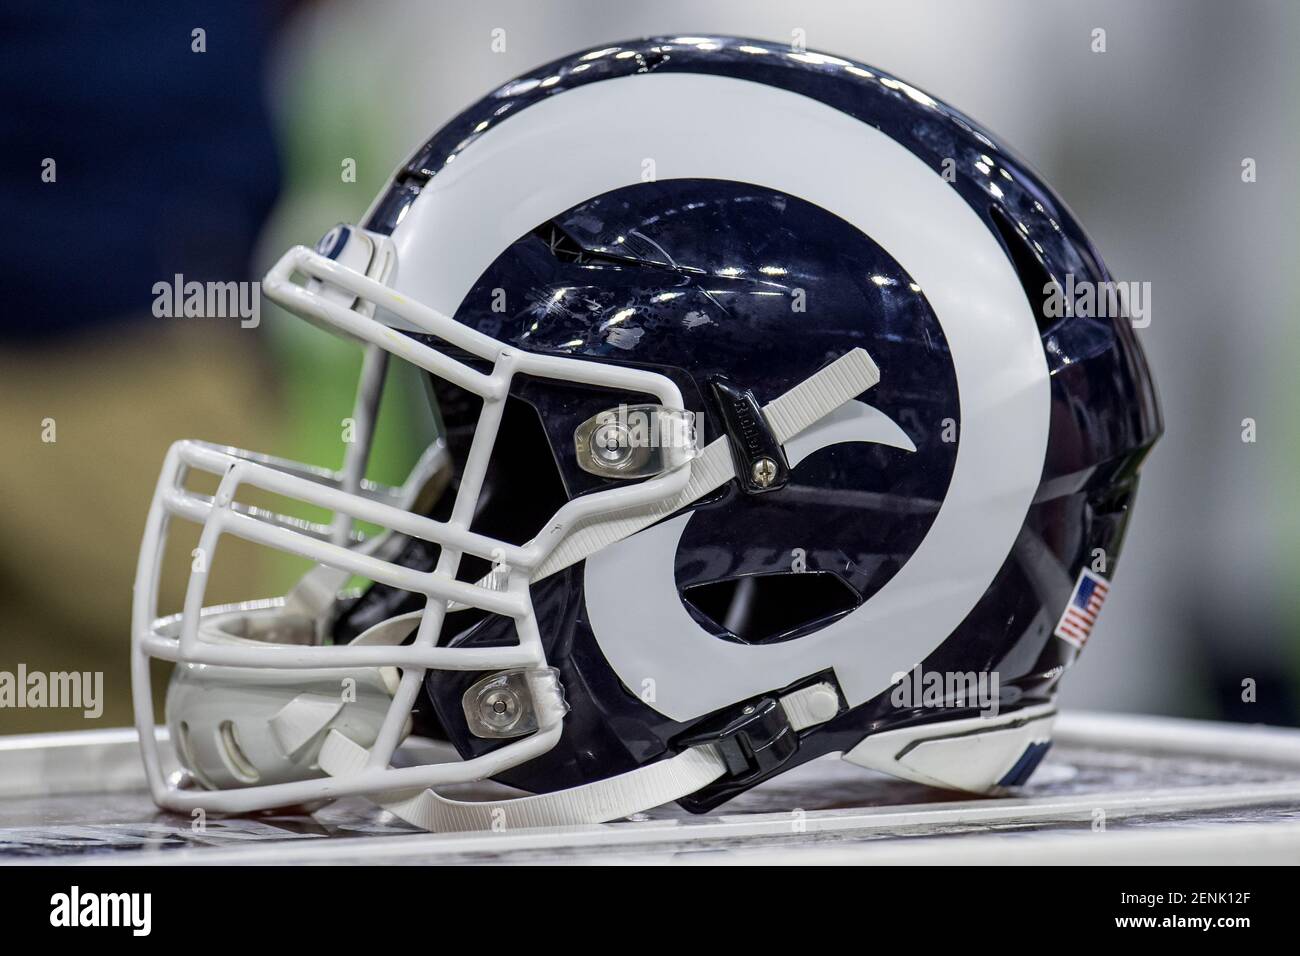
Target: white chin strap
610,799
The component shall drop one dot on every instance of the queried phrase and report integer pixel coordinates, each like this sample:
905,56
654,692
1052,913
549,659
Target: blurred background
208,153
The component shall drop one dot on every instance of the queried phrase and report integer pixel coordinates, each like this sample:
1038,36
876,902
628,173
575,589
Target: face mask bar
336,546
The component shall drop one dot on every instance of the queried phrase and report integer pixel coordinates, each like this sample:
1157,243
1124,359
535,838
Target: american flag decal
1081,613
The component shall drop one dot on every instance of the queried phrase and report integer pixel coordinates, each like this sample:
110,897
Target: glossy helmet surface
885,531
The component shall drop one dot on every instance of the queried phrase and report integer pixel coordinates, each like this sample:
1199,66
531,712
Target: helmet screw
610,446
764,472
499,707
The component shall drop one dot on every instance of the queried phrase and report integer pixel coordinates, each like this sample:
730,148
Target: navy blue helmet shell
711,280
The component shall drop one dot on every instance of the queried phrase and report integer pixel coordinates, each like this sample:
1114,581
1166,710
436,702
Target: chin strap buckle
765,734
752,744
757,742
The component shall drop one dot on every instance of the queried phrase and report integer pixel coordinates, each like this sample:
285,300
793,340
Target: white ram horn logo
926,226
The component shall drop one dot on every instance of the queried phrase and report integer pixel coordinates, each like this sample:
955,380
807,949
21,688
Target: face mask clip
514,703
636,441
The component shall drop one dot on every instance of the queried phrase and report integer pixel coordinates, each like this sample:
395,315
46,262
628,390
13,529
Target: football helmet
760,440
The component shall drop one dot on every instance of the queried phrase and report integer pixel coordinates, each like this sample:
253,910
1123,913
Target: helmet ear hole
770,608
232,754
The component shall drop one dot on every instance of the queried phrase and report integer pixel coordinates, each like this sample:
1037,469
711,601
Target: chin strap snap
598,802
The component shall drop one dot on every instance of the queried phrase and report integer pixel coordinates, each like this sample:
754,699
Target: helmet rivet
764,472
